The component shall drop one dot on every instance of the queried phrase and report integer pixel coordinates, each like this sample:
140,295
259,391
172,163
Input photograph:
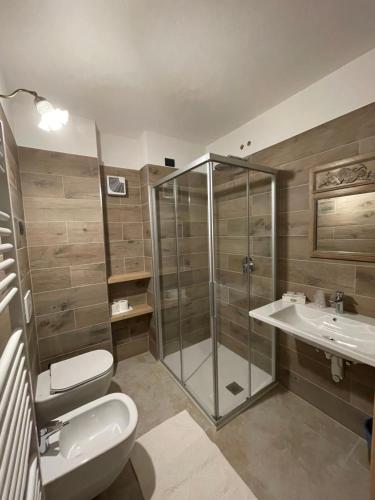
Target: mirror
343,203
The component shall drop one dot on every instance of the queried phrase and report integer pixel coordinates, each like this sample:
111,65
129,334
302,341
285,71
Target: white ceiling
193,69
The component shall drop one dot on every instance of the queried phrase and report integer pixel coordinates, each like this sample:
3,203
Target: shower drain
234,388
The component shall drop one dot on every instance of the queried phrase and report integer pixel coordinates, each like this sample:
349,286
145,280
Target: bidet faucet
51,428
338,300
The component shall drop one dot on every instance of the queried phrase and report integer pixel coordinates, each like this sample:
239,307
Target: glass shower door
169,308
193,270
231,209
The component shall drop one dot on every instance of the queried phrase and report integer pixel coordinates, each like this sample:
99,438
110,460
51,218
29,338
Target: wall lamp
51,118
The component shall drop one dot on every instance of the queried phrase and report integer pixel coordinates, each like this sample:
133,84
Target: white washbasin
351,336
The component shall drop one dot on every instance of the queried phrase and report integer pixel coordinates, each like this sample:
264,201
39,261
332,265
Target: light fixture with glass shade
51,118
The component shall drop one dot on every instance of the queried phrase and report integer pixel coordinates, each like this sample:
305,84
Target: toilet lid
76,371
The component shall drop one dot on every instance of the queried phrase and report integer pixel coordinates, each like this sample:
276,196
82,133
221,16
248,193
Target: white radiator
19,472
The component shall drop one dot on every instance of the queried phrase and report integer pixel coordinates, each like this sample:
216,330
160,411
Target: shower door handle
248,265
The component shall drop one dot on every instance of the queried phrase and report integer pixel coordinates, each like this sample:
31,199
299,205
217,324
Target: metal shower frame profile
210,159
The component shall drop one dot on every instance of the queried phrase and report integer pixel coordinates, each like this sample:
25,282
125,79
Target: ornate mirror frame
341,178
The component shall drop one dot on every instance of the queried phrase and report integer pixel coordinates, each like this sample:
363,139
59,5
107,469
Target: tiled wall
123,224
301,368
64,222
22,255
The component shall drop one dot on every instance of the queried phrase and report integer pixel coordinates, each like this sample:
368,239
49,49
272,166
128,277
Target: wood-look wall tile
294,199
332,405
92,315
261,286
81,187
362,397
259,225
261,246
106,345
70,298
42,185
236,245
146,233
116,265
88,274
200,244
319,274
52,324
125,350
365,281
113,231
315,372
294,247
295,223
261,204
134,264
66,255
128,213
133,195
85,232
46,233
367,145
50,279
145,212
229,209
132,231
50,162
71,341
61,209
129,248
297,172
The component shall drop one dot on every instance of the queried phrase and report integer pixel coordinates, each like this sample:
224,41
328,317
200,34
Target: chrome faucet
338,300
51,428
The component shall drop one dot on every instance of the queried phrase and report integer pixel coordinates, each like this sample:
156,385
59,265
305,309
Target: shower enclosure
214,242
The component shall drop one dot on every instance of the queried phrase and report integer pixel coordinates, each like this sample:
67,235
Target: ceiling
193,69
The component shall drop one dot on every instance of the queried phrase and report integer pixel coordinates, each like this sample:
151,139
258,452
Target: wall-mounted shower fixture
51,118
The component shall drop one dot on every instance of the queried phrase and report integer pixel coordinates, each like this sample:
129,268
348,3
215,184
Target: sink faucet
51,428
338,300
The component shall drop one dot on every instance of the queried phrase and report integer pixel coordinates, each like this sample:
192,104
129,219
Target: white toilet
87,454
72,383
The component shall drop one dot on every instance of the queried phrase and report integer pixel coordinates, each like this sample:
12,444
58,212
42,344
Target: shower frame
210,159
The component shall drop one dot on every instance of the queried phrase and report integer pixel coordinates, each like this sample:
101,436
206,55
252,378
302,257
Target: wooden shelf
121,278
138,310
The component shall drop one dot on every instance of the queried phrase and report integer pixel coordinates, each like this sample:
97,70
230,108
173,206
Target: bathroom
187,266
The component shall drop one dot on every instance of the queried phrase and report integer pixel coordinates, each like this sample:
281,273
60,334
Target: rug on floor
177,461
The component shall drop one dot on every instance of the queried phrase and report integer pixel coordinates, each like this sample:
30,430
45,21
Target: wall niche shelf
126,277
138,310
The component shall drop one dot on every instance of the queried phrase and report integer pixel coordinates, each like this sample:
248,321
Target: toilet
71,383
89,452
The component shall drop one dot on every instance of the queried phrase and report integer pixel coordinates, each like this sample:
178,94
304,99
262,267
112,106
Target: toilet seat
76,371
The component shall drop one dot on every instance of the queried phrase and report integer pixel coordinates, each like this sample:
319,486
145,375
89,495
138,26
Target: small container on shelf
294,297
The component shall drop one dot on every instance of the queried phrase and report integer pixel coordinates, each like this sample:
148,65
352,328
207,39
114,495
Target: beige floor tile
282,447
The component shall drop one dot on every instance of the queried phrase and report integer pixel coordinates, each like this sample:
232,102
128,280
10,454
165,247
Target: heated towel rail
20,477
19,471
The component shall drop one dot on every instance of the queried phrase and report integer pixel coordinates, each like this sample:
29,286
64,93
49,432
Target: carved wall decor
342,197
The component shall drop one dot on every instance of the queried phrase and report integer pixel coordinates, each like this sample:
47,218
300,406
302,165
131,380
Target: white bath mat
177,461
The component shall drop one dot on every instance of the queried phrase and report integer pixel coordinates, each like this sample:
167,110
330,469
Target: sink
350,336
